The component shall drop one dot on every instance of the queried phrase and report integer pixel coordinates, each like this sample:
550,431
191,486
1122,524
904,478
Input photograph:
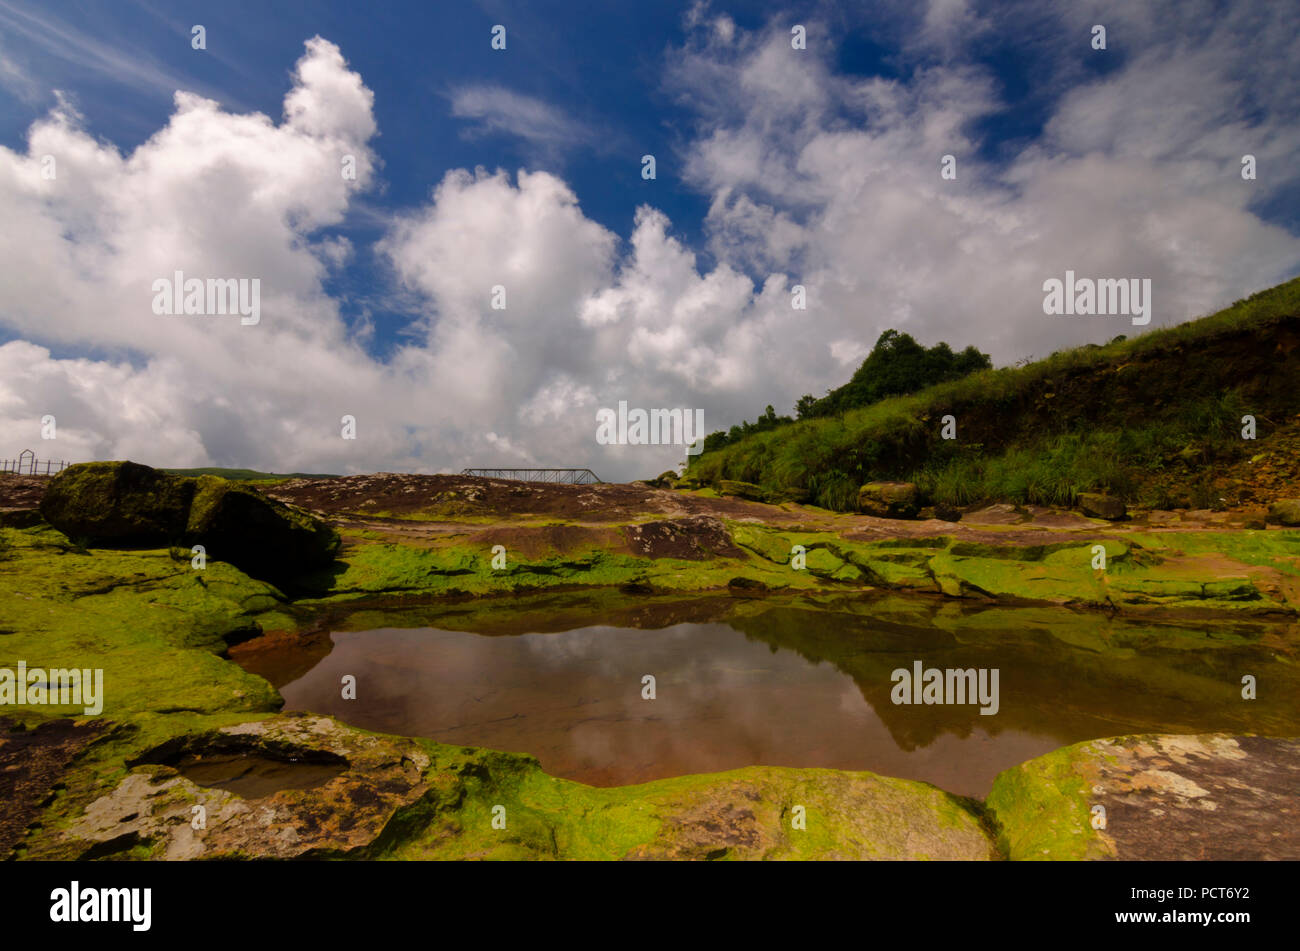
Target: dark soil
21,492
32,763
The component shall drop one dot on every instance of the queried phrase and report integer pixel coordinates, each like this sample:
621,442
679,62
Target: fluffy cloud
212,195
836,181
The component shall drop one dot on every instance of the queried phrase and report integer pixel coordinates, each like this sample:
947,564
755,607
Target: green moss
765,543
119,501
741,814
153,624
747,813
1042,808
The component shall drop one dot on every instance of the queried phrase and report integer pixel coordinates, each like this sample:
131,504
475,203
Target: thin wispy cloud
17,80
495,110
59,39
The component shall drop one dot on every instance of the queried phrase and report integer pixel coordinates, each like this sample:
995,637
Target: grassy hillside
249,475
1155,420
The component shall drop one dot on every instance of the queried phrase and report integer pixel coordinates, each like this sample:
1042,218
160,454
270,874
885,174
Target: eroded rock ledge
130,795
401,798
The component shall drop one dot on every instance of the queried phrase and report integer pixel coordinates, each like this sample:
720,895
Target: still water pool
766,683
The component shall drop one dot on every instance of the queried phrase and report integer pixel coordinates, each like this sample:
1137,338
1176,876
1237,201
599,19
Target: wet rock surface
1206,797
764,813
336,792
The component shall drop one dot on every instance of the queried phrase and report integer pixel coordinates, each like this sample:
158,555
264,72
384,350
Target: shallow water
784,685
252,776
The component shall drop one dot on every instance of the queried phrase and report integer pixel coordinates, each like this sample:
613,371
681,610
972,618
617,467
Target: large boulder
1095,505
1285,512
124,503
889,499
118,502
262,537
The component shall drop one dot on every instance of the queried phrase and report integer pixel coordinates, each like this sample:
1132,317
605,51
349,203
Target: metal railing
28,464
552,476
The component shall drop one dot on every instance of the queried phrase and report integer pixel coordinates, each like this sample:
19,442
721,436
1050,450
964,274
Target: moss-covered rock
118,502
889,499
742,490
132,796
1285,512
151,622
263,537
124,503
1043,808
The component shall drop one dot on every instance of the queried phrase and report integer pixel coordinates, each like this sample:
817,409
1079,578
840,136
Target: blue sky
775,166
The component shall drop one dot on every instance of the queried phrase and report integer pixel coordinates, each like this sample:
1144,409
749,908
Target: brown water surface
788,686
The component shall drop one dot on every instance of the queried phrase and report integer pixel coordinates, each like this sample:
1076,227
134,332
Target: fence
553,476
28,464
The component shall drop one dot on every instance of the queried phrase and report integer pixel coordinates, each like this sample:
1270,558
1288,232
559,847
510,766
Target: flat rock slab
692,539
1212,796
152,807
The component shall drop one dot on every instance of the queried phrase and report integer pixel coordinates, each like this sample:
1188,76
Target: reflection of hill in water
1071,675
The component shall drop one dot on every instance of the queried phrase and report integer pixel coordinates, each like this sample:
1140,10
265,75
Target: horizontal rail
551,476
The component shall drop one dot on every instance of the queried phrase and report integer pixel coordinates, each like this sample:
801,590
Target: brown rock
379,775
1096,505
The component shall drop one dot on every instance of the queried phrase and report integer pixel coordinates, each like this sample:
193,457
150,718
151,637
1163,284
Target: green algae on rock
125,503
150,621
399,798
121,502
